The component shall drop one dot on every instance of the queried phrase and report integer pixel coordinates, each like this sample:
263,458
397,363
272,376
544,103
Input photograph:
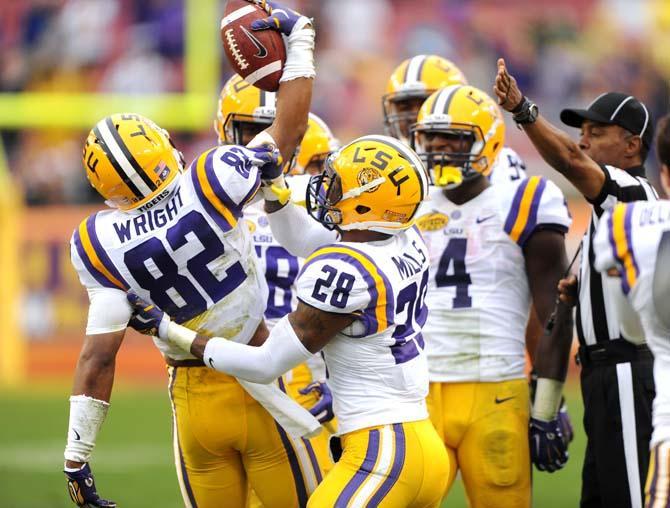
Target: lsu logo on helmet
374,182
409,85
468,118
130,161
242,108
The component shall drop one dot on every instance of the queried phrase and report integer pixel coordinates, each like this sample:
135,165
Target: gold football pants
223,438
399,465
485,429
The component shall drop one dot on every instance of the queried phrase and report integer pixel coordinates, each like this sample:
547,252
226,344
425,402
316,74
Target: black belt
611,353
191,362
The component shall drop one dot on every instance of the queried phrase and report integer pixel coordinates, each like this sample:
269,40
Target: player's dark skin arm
293,102
314,327
94,374
546,262
554,145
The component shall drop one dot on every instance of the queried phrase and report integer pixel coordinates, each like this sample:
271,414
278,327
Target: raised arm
554,145
295,86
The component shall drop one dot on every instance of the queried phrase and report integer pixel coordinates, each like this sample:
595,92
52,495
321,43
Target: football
256,56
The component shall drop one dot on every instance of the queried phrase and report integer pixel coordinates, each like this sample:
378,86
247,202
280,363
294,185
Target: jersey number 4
454,256
153,267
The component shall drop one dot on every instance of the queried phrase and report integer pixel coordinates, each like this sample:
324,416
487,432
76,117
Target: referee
617,379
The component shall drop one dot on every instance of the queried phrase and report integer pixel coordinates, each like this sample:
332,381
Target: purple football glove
323,409
565,423
268,159
281,18
147,318
81,486
548,451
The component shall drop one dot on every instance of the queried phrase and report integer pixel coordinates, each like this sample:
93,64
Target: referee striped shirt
598,310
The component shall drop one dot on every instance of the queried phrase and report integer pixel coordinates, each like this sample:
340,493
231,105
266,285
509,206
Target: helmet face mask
243,111
324,191
461,154
374,183
458,135
400,112
413,81
241,129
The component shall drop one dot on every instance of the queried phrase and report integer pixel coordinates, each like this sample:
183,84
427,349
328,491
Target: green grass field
133,458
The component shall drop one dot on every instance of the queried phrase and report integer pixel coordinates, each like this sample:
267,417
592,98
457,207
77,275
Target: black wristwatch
526,112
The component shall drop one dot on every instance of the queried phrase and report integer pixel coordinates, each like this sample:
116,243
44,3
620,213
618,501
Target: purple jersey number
408,338
274,256
169,283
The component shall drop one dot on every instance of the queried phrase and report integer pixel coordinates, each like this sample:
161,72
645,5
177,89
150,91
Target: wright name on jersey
185,254
478,292
377,366
628,238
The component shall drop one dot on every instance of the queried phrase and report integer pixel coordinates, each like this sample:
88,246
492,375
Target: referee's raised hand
505,87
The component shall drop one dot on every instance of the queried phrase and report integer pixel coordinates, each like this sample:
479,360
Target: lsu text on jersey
479,301
281,269
377,372
188,254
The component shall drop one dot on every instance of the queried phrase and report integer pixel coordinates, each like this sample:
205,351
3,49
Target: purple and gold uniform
281,269
191,253
479,300
377,372
629,238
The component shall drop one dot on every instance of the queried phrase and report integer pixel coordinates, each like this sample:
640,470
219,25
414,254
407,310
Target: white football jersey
279,266
376,366
508,167
628,238
188,254
478,292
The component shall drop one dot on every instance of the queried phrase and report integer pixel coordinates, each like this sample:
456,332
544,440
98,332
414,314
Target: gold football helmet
317,143
243,112
130,160
459,133
409,85
374,182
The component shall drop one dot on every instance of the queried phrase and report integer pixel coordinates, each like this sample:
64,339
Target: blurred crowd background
563,54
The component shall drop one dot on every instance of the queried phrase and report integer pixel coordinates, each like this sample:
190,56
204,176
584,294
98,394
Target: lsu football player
362,301
633,240
243,112
411,83
176,235
493,249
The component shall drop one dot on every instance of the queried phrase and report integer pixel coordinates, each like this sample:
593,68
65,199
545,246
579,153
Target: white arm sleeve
280,353
108,310
297,232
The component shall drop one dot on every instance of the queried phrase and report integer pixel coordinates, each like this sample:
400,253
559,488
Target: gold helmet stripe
443,100
115,164
414,68
128,155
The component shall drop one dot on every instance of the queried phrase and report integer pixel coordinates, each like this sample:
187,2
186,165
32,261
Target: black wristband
526,112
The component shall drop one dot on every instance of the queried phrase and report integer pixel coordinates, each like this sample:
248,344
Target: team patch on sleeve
343,279
93,256
537,203
619,229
